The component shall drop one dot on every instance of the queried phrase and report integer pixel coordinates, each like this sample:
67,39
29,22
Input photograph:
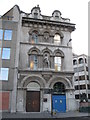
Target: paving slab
44,115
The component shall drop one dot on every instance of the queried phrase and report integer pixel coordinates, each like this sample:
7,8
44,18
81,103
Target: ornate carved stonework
70,79
46,61
47,76
46,36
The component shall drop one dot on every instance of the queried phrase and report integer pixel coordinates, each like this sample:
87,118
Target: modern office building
36,62
81,76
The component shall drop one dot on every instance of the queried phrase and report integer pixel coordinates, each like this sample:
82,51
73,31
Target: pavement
74,114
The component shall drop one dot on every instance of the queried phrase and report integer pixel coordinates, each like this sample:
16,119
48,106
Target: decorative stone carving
47,76
46,61
46,36
70,79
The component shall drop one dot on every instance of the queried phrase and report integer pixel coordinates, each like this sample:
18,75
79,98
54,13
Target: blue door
59,103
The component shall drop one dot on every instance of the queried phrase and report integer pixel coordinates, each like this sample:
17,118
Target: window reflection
33,62
74,62
4,73
59,88
1,34
57,39
6,53
8,35
36,15
57,63
0,52
81,61
34,37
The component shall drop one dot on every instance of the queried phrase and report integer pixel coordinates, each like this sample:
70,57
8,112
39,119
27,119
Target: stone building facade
40,76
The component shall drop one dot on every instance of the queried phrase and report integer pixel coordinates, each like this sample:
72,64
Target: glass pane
32,41
35,66
35,58
1,34
34,38
4,74
35,15
58,60
57,39
0,52
8,35
57,63
59,88
31,65
33,62
59,68
6,53
56,67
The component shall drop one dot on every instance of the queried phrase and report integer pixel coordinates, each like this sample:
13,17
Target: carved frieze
47,76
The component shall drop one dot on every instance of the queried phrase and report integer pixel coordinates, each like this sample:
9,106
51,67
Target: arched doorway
59,97
33,97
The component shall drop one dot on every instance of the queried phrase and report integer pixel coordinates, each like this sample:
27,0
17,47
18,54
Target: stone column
20,100
15,67
41,100
14,92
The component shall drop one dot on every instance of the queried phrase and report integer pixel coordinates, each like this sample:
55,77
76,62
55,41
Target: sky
75,10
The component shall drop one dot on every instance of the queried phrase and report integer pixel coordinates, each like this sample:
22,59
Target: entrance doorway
59,103
59,97
33,101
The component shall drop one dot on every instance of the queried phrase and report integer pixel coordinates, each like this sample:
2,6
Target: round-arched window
34,37
81,61
33,86
57,39
59,88
74,62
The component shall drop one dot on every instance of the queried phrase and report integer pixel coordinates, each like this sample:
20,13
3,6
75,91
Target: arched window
56,15
85,60
33,62
34,37
59,88
58,60
35,15
74,62
57,39
57,63
33,86
33,59
81,61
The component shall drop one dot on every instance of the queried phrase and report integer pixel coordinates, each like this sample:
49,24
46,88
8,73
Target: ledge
46,44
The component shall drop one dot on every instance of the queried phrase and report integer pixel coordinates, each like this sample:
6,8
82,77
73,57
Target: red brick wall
85,104
4,100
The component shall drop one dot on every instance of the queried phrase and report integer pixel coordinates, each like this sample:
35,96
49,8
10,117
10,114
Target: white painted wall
47,105
71,103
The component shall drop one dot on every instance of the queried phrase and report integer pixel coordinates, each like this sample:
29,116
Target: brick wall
85,104
4,100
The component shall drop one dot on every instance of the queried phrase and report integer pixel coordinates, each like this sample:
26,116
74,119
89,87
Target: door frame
59,96
39,98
